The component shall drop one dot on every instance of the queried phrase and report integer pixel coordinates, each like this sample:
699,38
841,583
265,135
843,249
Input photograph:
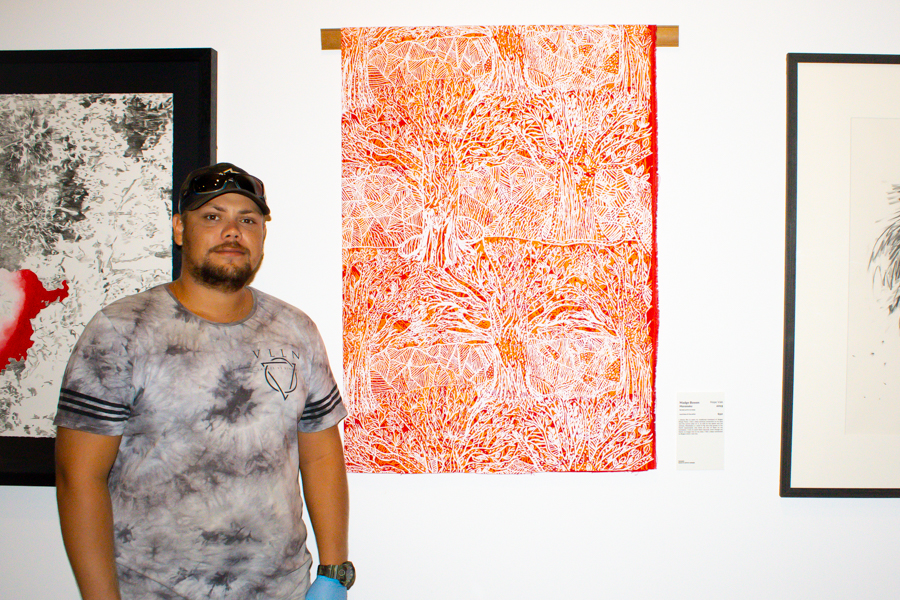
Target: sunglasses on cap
204,184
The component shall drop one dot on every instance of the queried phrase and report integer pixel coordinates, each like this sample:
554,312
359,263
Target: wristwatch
344,573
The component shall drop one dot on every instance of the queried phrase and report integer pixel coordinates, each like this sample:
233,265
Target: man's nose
231,229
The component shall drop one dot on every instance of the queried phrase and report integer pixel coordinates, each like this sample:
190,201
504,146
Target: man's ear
177,229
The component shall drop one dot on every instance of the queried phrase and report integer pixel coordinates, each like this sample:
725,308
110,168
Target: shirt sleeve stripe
78,411
92,407
65,392
64,403
331,395
319,408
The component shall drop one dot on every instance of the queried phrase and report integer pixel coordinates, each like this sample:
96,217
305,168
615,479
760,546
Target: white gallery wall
659,534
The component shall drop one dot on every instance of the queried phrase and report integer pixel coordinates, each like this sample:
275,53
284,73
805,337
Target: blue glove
326,588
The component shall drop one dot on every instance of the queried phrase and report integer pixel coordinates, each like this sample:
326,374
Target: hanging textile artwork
499,251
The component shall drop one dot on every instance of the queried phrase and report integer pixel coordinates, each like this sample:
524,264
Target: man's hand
326,588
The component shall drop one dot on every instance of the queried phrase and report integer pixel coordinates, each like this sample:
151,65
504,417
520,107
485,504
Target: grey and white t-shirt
205,492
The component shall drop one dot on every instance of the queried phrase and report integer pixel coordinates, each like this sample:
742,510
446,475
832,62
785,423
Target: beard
224,278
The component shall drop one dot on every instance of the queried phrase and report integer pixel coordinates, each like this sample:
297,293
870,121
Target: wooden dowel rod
666,36
331,39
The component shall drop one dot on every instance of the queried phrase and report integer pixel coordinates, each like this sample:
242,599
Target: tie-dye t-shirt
205,492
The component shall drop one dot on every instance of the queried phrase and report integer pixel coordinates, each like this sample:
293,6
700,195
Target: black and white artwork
841,393
85,218
873,332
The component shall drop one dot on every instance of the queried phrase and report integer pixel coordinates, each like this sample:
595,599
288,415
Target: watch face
347,574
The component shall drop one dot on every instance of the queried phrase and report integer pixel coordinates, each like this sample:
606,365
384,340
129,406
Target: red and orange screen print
499,251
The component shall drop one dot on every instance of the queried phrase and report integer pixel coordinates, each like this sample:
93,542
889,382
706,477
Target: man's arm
83,462
324,478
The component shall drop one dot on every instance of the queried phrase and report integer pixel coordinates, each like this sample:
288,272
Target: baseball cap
204,184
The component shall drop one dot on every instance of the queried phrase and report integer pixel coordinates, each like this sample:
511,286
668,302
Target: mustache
229,246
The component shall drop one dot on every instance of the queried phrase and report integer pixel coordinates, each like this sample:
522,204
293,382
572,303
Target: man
184,416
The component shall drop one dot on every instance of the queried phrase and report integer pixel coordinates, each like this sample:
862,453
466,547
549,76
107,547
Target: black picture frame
828,98
190,75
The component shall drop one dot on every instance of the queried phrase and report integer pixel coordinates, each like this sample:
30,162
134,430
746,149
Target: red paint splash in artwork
17,334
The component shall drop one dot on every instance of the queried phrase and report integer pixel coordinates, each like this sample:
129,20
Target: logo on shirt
281,375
